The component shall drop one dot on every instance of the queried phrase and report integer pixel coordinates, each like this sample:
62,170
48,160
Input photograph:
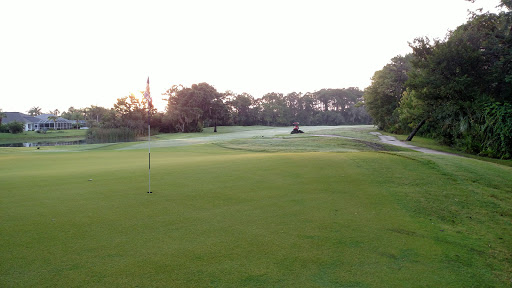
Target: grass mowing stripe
229,218
471,204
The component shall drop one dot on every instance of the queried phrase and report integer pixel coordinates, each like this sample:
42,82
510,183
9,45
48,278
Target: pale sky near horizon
57,54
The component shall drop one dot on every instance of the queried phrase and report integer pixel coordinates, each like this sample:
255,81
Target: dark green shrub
497,130
15,127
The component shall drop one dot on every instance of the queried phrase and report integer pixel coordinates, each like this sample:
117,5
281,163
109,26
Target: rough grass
361,132
301,144
231,218
248,134
51,135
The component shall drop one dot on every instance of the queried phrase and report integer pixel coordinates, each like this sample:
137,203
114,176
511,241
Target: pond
36,144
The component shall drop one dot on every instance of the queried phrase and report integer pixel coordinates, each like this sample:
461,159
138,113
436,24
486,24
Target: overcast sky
57,54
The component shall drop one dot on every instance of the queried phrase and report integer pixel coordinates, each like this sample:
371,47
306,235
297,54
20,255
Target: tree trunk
415,130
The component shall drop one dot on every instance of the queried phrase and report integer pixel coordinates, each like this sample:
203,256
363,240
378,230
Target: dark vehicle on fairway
296,129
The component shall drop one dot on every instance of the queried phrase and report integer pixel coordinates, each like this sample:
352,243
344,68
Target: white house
32,123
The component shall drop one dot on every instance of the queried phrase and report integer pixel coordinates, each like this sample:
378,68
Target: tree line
457,90
190,109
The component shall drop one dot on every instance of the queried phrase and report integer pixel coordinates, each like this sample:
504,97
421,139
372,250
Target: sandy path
393,141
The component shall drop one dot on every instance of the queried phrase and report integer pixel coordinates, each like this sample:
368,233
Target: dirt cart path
393,141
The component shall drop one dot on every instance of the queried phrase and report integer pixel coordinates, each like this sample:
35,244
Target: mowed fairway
231,218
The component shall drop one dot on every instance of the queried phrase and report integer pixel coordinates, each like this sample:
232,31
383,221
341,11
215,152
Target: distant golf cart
296,129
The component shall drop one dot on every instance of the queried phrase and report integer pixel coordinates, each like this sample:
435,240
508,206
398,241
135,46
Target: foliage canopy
460,87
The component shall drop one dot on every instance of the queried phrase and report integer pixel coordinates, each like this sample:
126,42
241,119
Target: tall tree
507,4
74,114
273,109
307,104
95,114
293,106
35,111
463,83
54,112
190,107
54,119
383,96
241,109
326,97
129,112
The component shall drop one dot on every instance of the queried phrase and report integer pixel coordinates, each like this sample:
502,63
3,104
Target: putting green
230,218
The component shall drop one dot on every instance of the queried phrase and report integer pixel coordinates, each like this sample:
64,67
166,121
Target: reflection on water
36,144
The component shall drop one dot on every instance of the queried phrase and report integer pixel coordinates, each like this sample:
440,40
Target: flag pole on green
147,95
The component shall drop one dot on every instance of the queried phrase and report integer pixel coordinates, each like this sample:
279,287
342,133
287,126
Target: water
37,144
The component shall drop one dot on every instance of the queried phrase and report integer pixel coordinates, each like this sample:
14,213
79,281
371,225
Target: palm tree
76,116
35,111
54,119
54,112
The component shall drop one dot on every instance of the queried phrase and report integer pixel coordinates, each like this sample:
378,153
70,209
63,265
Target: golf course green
253,208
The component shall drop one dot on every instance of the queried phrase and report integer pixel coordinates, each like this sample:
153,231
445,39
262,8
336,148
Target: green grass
299,143
359,131
226,217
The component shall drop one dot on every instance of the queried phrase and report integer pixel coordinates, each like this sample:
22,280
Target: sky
58,54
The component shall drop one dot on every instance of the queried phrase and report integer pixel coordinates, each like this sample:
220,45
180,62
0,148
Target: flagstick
147,95
149,142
